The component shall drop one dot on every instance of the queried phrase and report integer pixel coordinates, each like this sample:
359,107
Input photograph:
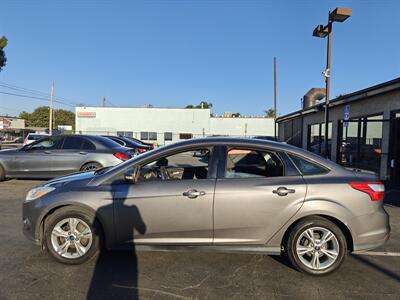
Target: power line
7,108
35,92
36,98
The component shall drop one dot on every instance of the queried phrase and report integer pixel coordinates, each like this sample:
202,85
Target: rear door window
306,167
87,145
244,163
72,143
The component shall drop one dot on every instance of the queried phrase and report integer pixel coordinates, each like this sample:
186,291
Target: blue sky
174,53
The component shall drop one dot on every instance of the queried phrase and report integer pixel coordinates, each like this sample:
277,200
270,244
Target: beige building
364,129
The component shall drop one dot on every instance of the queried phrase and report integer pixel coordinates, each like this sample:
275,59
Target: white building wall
242,126
198,122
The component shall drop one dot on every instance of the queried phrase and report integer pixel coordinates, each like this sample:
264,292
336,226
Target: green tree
269,113
3,59
64,117
203,104
40,117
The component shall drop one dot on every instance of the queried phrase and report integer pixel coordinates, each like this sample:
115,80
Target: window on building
167,136
185,136
244,163
125,133
129,133
316,138
360,143
148,136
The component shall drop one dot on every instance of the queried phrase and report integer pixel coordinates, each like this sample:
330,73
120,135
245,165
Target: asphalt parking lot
27,273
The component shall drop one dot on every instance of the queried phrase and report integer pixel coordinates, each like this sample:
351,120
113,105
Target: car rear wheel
92,166
316,246
72,236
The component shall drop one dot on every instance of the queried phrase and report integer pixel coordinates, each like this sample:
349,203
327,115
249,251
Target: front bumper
31,225
370,231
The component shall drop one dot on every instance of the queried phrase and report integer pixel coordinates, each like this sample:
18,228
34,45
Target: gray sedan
60,155
214,194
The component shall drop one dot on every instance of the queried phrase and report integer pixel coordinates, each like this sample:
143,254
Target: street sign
346,115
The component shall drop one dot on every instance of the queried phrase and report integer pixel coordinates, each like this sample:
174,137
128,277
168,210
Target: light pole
340,14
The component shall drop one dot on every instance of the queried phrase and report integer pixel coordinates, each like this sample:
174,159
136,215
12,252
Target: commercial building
11,127
364,129
165,125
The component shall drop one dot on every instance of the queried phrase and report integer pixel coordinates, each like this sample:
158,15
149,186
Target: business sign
86,114
346,115
64,127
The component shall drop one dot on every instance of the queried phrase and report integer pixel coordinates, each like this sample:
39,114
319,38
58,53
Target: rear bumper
370,231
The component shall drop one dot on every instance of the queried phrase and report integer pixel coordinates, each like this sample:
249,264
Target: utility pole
51,109
327,74
104,101
275,114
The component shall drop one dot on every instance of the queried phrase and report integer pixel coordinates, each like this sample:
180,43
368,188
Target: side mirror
131,175
24,148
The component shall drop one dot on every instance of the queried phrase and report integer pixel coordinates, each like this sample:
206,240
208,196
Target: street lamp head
321,31
340,14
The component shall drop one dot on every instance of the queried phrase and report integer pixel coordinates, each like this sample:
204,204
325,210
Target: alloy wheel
71,238
317,248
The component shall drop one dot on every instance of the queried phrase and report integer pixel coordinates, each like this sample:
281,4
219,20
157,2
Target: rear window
35,137
106,142
306,167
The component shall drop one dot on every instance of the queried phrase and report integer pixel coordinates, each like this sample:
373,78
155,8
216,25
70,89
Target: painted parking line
374,253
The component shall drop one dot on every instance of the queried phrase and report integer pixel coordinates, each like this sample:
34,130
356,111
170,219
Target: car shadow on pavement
115,275
377,267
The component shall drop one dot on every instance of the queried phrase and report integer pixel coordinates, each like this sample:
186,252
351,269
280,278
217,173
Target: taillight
141,150
121,156
375,190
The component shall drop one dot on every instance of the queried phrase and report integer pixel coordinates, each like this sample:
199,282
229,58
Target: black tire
91,166
87,217
2,174
299,261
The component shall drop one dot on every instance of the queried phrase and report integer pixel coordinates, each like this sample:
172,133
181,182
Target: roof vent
312,97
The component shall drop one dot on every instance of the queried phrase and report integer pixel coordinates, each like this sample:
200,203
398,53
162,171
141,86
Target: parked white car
31,137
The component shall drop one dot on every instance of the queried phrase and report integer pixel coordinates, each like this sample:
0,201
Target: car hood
75,178
8,151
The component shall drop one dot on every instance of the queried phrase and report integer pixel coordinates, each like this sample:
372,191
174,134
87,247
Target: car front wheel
316,246
72,236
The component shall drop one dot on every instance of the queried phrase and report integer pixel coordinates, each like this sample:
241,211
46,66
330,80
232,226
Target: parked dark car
140,142
59,155
244,195
137,146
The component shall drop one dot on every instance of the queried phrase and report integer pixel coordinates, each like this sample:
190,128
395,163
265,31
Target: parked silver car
238,195
59,155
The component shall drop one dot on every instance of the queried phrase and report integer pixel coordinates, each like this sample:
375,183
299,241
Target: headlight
38,192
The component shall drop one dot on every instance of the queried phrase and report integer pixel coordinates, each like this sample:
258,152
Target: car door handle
193,193
83,153
283,191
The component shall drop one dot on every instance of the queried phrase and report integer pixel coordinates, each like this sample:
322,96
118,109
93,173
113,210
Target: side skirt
250,249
